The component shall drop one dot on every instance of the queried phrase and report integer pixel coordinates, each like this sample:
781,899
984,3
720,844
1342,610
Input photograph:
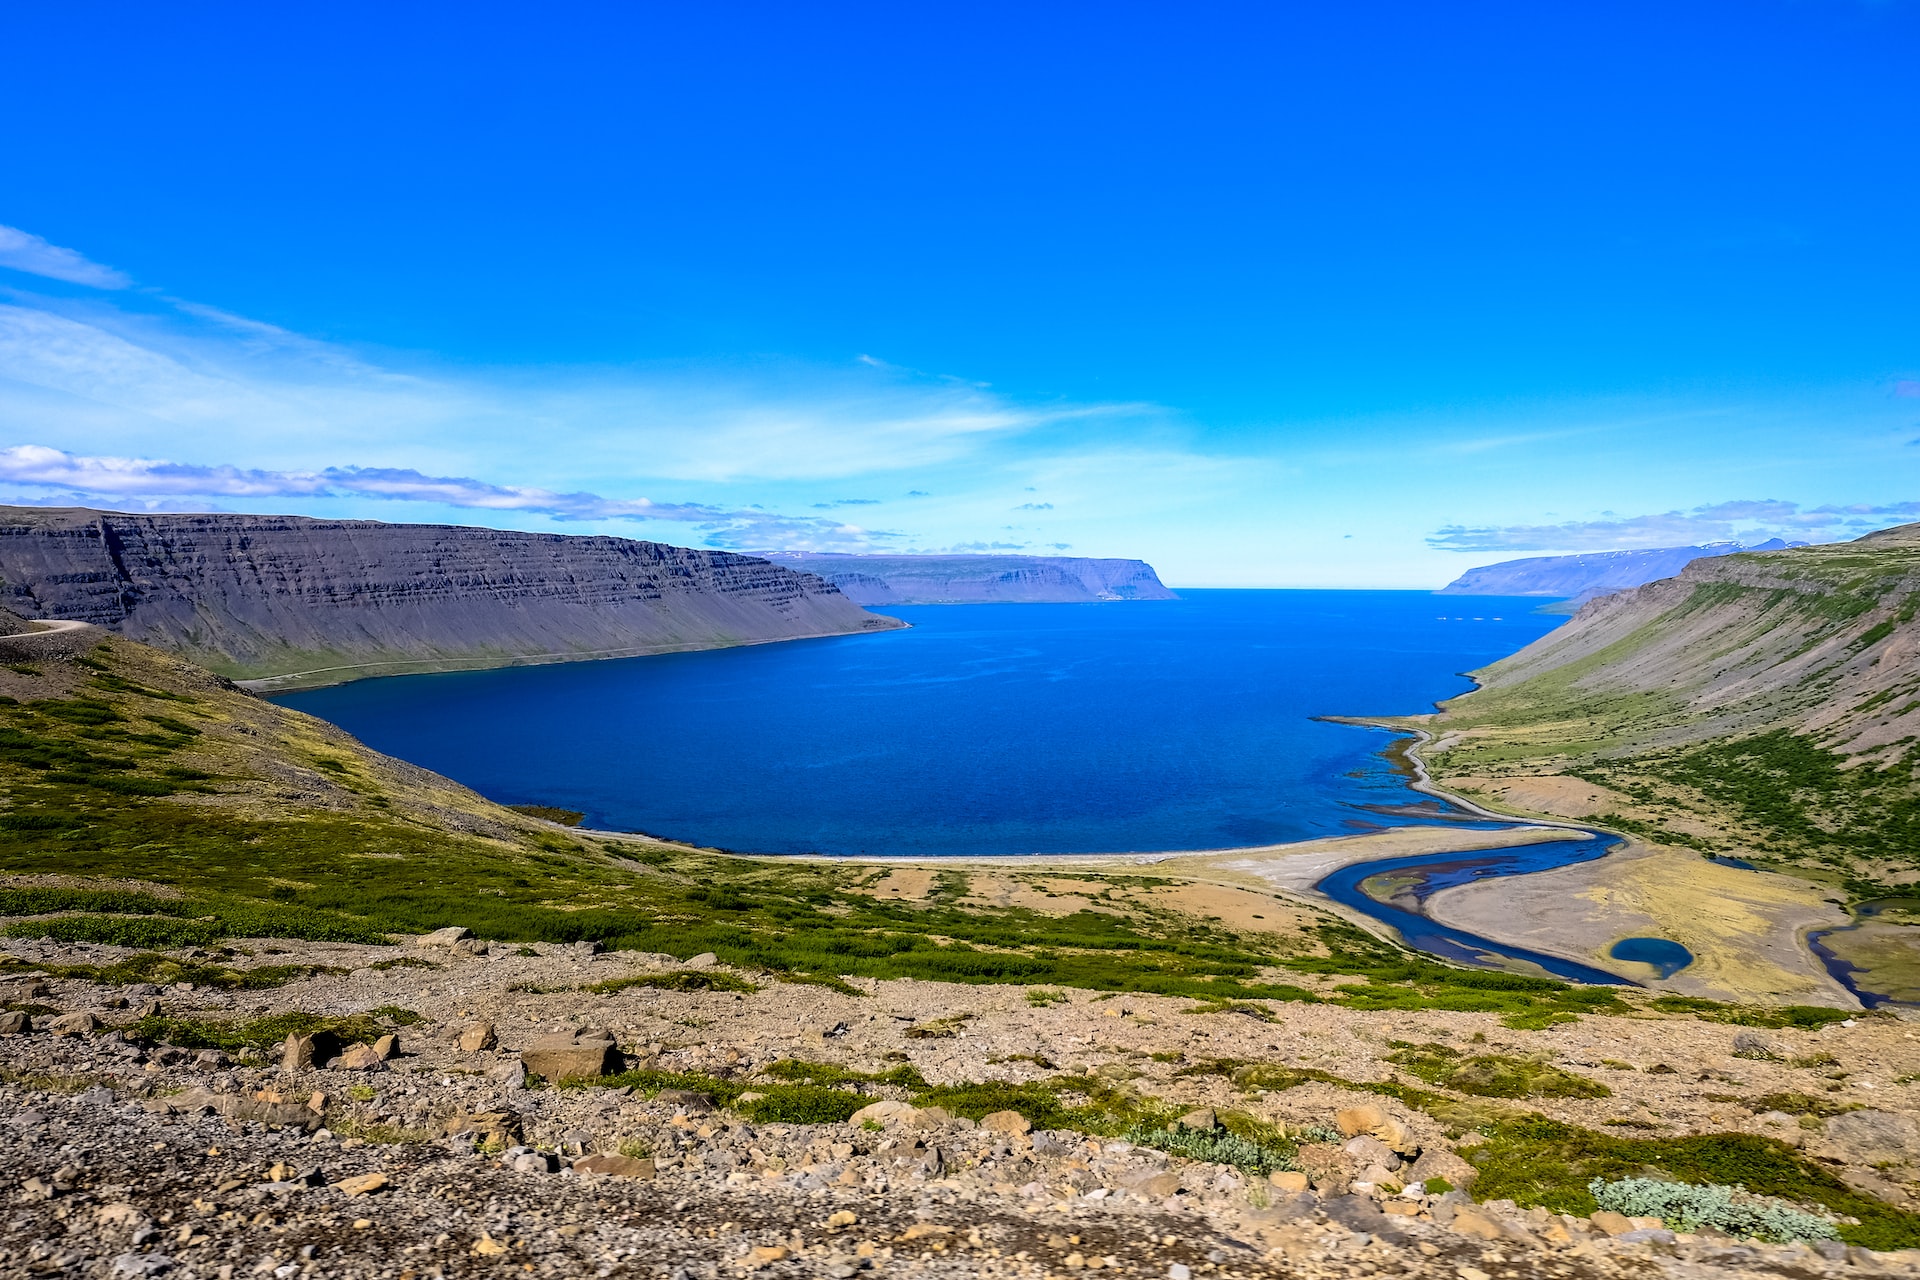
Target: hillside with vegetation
1764,705
149,803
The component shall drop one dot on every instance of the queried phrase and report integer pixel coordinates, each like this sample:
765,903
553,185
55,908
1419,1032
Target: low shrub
1495,1075
1216,1146
1728,1209
679,980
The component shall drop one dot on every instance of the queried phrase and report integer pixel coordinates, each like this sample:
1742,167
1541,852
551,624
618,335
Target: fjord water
985,729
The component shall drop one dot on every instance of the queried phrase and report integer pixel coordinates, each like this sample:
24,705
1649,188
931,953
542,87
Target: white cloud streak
1746,520
24,251
142,481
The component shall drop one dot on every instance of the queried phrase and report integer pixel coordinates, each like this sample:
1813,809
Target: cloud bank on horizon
1744,521
172,370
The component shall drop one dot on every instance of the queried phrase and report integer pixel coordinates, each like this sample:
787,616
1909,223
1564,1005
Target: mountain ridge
1583,576
290,601
980,579
1763,705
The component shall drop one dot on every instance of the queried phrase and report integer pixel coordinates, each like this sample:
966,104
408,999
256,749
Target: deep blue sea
985,729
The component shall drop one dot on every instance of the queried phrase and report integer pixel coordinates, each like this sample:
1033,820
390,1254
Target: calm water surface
986,729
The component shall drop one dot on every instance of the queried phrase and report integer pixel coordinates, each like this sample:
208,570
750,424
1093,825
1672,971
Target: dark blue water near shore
1392,889
1004,729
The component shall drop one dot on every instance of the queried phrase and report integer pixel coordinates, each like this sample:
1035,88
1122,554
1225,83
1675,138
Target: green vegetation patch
678,980
1536,1161
165,970
1396,979
1806,1017
1728,1209
1801,1104
1494,1075
547,813
263,1034
1216,1146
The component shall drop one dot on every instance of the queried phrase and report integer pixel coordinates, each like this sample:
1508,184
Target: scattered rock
73,1024
1331,1169
1874,1137
1007,1122
705,960
443,937
1202,1119
888,1111
15,1023
363,1185
1751,1044
1289,1181
690,1101
484,1125
477,1037
360,1057
303,1053
1441,1164
615,1166
387,1046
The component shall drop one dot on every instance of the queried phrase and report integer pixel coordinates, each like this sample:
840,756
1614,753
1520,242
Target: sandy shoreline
1747,930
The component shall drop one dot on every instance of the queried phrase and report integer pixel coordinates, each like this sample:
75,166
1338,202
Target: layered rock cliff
290,600
972,579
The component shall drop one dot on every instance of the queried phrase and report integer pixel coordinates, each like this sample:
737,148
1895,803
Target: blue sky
1269,295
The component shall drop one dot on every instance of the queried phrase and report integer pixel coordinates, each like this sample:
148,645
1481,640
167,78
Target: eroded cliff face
300,601
974,579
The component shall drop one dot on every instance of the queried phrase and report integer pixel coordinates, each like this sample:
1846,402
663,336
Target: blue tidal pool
1666,956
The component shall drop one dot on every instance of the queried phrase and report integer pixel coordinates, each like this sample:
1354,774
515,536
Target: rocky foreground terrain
429,1150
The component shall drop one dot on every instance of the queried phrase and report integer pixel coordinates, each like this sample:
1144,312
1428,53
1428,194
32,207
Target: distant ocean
986,729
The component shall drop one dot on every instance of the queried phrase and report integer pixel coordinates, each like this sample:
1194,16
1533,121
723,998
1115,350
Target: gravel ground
125,1158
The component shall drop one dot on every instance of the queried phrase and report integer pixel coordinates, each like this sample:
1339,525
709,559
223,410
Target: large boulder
564,1057
1874,1137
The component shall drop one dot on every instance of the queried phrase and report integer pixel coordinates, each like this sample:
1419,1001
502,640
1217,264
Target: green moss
165,970
1535,1161
1806,1017
261,1034
547,813
679,980
1495,1075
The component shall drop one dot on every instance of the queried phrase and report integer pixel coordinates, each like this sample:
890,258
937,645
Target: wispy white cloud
1745,520
24,251
142,481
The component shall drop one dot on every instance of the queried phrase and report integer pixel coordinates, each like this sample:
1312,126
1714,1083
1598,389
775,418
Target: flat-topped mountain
300,601
1579,578
974,579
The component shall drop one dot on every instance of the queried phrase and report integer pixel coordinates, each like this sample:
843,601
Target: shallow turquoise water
991,729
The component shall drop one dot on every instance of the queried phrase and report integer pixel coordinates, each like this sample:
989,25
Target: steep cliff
290,600
1580,578
1765,704
973,579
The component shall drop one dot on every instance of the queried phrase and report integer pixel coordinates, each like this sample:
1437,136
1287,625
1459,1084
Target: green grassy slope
1764,704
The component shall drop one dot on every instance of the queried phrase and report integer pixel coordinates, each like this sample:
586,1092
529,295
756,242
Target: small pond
1666,956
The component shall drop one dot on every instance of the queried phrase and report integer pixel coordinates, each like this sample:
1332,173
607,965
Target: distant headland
980,579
